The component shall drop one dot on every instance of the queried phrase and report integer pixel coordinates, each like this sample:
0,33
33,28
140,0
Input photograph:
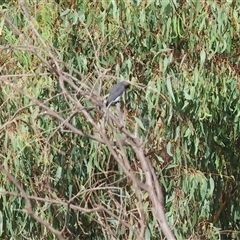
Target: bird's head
126,84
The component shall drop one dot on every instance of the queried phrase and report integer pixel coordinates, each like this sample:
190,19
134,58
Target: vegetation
72,170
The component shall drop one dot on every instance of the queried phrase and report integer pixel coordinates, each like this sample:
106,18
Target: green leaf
170,90
58,175
89,20
1,223
202,57
212,185
139,122
169,146
172,165
65,12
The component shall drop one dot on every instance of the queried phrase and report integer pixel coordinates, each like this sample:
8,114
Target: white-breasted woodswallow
116,92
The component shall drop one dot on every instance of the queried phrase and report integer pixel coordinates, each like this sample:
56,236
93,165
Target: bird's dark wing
115,93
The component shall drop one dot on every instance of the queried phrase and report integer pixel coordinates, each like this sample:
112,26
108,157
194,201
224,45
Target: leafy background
183,60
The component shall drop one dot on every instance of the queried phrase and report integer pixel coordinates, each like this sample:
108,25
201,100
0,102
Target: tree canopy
164,162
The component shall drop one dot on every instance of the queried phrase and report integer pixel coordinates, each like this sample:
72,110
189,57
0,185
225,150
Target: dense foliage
183,60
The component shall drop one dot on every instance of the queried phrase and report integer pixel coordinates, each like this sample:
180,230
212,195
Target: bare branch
28,206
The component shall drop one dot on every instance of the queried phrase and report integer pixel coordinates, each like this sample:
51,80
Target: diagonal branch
28,206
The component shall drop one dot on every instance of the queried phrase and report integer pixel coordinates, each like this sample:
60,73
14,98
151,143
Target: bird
116,92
